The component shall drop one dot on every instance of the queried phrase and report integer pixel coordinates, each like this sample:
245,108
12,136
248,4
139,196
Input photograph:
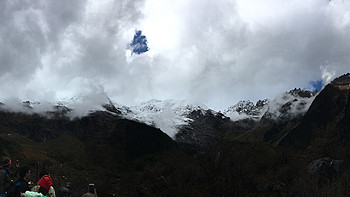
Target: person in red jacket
45,182
51,190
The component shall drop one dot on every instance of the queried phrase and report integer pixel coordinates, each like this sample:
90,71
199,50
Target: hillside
100,148
265,152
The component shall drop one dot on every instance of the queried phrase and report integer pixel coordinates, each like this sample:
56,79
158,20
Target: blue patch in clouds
317,85
139,43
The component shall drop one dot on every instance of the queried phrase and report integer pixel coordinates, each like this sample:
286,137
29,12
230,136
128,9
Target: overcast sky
214,52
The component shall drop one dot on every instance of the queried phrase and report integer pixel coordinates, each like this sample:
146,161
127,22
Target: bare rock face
328,114
205,127
342,82
326,167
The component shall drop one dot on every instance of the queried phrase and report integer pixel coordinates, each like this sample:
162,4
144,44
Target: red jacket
45,182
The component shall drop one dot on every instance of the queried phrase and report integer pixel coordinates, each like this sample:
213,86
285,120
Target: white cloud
327,74
213,52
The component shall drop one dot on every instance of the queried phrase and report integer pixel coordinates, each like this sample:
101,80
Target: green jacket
52,192
33,194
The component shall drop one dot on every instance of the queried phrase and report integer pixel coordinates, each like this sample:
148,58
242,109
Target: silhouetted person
91,191
22,184
66,191
5,175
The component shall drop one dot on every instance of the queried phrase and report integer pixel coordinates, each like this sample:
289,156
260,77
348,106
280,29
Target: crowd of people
22,187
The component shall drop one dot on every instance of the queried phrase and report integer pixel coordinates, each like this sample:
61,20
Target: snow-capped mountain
168,115
247,109
245,116
188,122
290,104
171,115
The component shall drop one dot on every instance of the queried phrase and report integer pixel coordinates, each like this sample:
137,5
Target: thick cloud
212,52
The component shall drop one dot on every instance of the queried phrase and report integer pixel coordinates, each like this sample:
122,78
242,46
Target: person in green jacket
42,190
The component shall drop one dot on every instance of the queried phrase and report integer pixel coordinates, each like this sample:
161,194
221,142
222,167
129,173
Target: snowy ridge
287,105
247,109
290,105
166,115
170,115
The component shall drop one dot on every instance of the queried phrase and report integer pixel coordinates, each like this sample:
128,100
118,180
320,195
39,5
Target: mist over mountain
159,143
184,122
168,115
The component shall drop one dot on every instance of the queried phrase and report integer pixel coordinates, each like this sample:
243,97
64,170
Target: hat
69,185
5,161
45,182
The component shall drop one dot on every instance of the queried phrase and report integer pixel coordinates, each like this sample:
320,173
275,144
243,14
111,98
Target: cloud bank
211,52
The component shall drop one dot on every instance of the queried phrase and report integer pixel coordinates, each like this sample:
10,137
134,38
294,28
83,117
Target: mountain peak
301,93
247,109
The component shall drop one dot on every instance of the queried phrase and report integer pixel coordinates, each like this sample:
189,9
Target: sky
211,52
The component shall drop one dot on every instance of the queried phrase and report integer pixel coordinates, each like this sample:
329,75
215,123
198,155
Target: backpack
10,191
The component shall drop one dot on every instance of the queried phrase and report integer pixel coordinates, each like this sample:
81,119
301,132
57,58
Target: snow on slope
170,115
166,115
284,106
291,104
247,109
